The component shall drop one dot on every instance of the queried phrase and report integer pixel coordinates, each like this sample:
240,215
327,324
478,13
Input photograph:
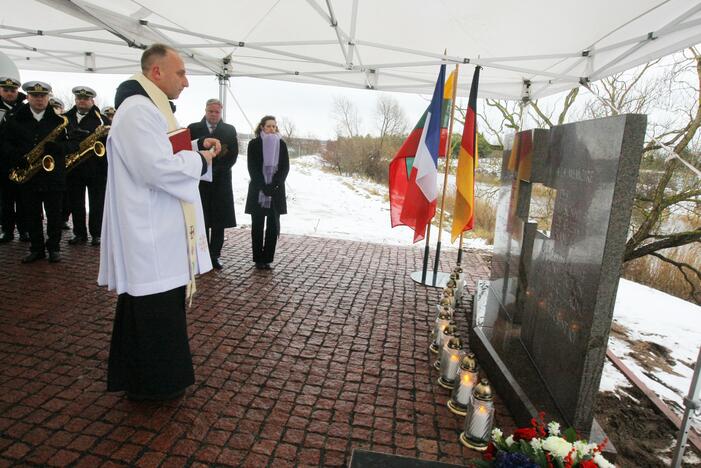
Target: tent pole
445,176
223,78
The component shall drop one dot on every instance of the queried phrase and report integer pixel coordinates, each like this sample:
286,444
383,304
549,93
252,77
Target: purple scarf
271,157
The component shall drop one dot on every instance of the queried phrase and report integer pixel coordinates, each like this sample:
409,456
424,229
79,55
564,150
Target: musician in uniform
10,100
217,196
108,111
57,104
35,130
90,172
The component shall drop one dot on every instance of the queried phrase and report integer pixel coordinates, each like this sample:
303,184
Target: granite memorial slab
543,324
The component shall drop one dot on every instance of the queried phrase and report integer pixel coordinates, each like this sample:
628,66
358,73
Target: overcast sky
308,106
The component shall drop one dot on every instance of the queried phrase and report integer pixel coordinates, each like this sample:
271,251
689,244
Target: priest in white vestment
153,234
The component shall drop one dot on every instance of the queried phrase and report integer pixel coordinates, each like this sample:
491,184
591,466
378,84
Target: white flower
510,441
537,444
583,448
601,462
557,446
497,434
554,428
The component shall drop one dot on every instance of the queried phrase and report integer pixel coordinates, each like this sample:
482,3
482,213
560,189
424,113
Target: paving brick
299,365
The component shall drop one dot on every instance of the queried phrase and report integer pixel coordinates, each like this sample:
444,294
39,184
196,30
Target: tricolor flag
402,168
464,211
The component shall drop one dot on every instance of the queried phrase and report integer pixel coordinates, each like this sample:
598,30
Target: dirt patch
641,435
652,356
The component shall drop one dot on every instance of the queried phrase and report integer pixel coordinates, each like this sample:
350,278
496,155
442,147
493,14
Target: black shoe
216,264
65,226
78,240
24,237
95,240
267,266
6,237
33,257
54,257
260,266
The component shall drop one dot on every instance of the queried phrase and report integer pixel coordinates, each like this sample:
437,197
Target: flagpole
460,249
424,269
445,176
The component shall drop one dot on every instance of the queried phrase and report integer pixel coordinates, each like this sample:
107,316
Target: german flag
464,211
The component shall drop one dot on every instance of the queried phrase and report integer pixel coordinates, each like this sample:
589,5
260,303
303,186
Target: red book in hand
181,140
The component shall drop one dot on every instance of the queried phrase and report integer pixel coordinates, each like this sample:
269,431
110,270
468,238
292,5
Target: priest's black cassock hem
150,352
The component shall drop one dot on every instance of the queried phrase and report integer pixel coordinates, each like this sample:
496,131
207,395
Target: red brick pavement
298,366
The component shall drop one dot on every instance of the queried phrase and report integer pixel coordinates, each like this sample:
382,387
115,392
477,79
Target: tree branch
671,240
695,294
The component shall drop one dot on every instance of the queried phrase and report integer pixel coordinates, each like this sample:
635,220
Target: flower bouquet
542,446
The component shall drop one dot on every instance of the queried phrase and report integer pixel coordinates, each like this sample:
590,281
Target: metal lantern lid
446,308
455,343
452,283
469,362
448,292
458,269
445,315
450,330
483,391
454,276
445,302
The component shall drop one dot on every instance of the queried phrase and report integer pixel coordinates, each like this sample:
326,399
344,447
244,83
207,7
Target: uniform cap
84,91
36,87
7,82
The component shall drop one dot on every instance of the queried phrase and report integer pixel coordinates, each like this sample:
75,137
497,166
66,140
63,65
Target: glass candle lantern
448,332
480,418
450,362
449,293
442,321
465,382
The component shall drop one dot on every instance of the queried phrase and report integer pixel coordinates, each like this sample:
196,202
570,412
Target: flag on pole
464,211
422,189
400,169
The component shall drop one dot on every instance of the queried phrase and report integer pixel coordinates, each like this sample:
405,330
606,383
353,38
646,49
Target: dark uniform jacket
218,196
22,133
11,108
5,164
255,169
92,166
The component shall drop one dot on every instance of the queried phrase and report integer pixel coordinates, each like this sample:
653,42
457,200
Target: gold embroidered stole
160,99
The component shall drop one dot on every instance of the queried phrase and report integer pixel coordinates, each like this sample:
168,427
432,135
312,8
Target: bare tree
288,128
345,113
391,120
675,96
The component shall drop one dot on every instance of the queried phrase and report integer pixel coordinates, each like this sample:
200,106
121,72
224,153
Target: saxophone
36,159
89,145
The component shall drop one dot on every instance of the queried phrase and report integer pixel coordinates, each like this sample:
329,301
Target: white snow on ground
651,315
324,204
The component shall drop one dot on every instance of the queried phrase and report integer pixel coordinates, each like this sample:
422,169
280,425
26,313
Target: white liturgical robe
144,246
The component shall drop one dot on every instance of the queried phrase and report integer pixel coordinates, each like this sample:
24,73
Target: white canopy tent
527,49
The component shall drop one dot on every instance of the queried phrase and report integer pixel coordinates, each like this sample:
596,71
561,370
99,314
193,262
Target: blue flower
513,460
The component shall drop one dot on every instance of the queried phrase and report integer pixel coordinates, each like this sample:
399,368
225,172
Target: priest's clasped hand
213,145
213,148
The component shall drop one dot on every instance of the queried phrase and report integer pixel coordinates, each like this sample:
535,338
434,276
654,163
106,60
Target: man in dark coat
10,100
31,124
217,196
91,173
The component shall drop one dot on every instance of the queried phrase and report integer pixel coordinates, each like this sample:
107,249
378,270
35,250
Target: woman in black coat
268,166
